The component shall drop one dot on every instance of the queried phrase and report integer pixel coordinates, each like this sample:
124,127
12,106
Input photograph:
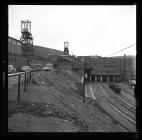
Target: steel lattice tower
26,37
66,50
27,40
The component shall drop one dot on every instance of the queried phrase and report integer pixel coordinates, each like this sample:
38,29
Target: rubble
45,110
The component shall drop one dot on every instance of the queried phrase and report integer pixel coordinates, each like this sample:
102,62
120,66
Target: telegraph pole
120,70
124,67
131,72
84,82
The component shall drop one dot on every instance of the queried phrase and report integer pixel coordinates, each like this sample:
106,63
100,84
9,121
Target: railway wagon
115,87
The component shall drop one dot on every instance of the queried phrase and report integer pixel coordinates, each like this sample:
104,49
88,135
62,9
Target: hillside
44,52
54,102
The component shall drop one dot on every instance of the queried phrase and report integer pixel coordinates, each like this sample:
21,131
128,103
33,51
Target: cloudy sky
90,30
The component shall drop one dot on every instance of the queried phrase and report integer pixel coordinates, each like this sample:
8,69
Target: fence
28,75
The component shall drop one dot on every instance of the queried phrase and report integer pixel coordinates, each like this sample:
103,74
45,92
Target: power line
121,50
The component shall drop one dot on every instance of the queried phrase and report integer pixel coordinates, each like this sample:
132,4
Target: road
122,108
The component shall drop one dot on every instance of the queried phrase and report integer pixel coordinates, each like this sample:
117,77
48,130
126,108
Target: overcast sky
90,30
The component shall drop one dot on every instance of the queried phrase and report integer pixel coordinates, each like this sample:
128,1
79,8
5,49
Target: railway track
128,98
120,99
127,113
129,91
123,116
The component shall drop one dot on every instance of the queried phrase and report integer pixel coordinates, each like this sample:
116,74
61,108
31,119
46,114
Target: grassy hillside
44,52
54,102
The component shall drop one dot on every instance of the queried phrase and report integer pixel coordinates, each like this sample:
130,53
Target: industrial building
105,69
94,68
35,56
16,55
97,68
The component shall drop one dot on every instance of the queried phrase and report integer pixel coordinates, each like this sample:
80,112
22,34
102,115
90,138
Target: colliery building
96,68
20,54
35,56
103,69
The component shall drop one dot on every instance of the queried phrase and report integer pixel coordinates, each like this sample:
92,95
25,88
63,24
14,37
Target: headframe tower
26,37
66,50
27,40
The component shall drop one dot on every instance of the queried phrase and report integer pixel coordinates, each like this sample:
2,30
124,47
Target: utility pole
131,72
120,69
124,67
84,82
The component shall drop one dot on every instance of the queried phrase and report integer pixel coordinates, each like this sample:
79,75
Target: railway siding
122,119
119,98
121,107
